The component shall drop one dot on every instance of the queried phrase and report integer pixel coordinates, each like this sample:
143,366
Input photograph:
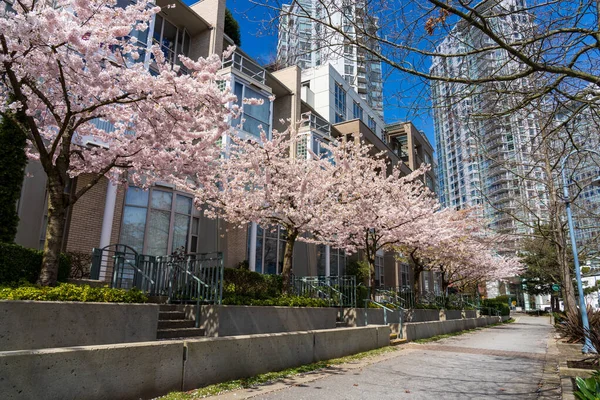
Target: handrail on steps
385,310
199,282
128,262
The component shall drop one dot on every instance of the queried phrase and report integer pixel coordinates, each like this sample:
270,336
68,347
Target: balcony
315,123
246,66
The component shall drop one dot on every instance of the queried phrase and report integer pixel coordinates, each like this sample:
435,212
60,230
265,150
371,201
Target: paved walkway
503,362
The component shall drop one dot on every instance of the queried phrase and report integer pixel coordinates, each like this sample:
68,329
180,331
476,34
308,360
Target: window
425,281
404,277
379,275
337,262
318,148
357,111
253,116
172,40
372,124
340,103
157,221
270,246
321,254
437,278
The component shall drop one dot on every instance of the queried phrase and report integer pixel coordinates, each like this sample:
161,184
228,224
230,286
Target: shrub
283,301
18,263
571,328
426,306
71,292
362,293
493,306
241,282
588,389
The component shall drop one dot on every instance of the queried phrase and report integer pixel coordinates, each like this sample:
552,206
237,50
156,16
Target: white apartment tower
308,44
484,158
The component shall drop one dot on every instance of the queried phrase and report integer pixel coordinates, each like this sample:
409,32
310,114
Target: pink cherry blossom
89,108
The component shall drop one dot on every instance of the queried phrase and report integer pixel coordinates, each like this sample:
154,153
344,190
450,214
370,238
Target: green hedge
241,282
490,306
18,264
282,301
71,292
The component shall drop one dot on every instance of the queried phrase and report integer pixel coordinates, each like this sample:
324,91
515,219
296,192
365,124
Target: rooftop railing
314,122
246,66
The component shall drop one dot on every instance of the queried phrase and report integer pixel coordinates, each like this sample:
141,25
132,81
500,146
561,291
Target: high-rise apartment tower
485,155
308,44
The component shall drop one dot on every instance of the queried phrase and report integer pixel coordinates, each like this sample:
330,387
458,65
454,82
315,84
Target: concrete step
169,307
175,324
162,315
179,333
158,299
396,342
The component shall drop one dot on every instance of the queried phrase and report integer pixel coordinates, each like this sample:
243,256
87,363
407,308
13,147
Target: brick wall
85,223
235,246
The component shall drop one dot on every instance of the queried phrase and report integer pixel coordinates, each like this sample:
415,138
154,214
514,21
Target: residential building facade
162,219
308,44
486,161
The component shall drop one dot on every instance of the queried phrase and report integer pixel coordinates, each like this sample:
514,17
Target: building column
252,252
328,261
107,222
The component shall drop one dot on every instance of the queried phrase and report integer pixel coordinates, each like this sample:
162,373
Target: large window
337,262
158,221
172,40
379,274
253,116
372,125
321,259
357,111
340,103
270,246
404,277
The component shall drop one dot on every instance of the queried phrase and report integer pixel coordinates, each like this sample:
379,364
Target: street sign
556,287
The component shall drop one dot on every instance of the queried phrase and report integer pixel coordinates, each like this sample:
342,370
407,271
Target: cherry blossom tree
76,81
260,181
378,208
461,248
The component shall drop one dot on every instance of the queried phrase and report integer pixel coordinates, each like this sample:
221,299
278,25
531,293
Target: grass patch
269,377
449,335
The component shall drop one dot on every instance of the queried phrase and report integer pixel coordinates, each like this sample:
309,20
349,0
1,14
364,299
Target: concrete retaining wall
453,314
150,369
47,324
247,320
356,316
423,315
421,330
122,371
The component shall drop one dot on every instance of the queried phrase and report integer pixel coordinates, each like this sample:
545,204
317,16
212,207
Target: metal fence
339,291
196,277
407,299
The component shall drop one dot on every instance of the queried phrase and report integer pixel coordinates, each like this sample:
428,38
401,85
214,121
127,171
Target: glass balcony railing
314,122
246,66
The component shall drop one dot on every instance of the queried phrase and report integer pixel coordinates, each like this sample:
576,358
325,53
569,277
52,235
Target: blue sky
401,93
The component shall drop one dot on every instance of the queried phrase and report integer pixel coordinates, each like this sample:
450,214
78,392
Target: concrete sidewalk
503,362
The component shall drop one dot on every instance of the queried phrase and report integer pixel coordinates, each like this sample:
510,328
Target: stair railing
199,284
400,311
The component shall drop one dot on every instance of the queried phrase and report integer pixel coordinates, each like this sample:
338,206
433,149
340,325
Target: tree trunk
558,234
54,234
288,256
371,261
417,269
559,239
